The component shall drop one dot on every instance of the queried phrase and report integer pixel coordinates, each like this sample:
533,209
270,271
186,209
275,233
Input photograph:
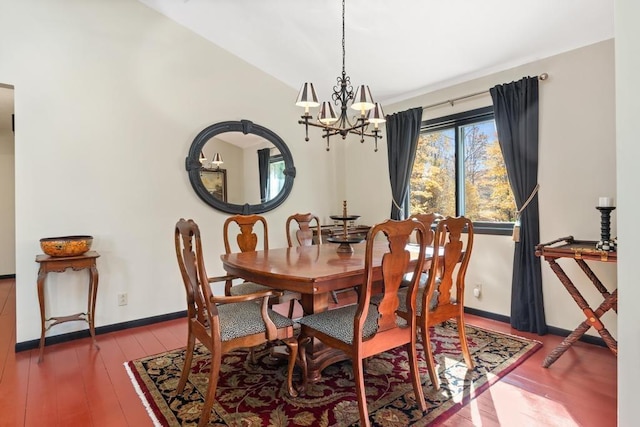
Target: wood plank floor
77,385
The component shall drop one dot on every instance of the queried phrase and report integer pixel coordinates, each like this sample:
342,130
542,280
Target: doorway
7,183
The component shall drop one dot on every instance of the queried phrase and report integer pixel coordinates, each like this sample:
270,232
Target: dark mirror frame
192,164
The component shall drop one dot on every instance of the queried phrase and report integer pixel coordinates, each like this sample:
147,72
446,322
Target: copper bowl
66,245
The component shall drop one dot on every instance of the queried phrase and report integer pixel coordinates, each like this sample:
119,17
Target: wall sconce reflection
217,161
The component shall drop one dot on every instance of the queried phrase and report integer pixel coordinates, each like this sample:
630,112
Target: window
276,176
459,170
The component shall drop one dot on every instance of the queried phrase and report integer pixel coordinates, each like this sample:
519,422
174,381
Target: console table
59,265
581,251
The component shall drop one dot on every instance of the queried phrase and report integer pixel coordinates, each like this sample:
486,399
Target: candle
605,202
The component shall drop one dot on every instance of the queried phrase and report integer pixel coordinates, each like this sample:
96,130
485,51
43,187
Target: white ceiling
399,48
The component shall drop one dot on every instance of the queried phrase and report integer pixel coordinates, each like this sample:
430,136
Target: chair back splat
224,323
304,233
365,329
246,239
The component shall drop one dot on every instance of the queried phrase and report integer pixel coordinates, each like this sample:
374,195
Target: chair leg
188,358
302,355
216,360
463,342
360,393
428,353
292,345
334,296
292,305
415,375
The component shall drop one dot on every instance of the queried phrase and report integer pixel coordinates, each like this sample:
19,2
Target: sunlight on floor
514,406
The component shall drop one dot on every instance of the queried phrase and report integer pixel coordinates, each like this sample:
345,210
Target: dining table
314,272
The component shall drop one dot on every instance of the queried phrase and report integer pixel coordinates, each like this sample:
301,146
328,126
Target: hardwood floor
77,385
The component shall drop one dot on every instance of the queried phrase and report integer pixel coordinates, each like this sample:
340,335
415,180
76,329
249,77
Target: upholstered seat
338,323
419,299
244,318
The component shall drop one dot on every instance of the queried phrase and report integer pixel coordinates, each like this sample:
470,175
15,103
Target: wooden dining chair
443,294
224,323
428,220
305,228
362,330
307,223
247,228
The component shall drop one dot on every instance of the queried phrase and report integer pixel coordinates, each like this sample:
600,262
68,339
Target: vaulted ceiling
399,48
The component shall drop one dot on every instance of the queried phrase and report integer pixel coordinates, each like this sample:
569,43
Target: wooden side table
581,251
59,265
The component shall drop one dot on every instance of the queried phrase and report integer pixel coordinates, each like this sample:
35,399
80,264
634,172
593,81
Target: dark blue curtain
403,130
263,172
516,114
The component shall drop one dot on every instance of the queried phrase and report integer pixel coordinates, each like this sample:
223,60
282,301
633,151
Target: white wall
628,176
109,97
577,142
7,185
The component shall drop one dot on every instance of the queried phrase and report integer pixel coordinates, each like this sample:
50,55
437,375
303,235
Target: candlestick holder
605,243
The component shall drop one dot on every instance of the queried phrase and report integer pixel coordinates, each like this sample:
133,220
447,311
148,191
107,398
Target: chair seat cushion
248,288
243,318
338,323
402,295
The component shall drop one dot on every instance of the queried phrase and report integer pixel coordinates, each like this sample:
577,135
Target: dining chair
224,323
304,232
247,228
362,330
307,223
427,219
443,294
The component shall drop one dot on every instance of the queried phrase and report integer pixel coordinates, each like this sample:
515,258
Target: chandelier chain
343,42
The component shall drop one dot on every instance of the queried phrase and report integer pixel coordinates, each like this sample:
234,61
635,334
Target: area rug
253,394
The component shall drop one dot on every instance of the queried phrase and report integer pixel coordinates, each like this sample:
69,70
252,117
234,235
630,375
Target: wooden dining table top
308,269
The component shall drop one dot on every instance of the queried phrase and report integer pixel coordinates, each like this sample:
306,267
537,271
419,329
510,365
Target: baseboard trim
29,345
7,276
589,339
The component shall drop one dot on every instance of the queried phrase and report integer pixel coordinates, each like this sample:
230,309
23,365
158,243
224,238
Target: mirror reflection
240,167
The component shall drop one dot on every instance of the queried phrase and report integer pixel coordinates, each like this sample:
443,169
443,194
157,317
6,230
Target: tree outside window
459,170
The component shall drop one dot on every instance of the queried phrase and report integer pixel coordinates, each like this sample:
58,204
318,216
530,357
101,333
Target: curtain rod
543,76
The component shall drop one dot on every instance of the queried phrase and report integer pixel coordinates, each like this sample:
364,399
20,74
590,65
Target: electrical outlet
122,299
477,290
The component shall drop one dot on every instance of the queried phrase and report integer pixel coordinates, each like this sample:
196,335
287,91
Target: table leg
318,355
593,317
596,282
42,274
91,309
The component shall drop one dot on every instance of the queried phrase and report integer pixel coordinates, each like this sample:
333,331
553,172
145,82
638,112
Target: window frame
455,121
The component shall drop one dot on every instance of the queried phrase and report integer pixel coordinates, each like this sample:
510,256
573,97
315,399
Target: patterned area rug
254,394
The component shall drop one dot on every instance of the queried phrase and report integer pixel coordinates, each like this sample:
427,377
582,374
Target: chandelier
370,112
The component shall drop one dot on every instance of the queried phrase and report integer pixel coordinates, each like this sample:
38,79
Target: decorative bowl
66,245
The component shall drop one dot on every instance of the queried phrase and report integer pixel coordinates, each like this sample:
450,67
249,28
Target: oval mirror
240,167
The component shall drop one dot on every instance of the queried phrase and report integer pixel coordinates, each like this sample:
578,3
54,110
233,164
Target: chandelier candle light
362,101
